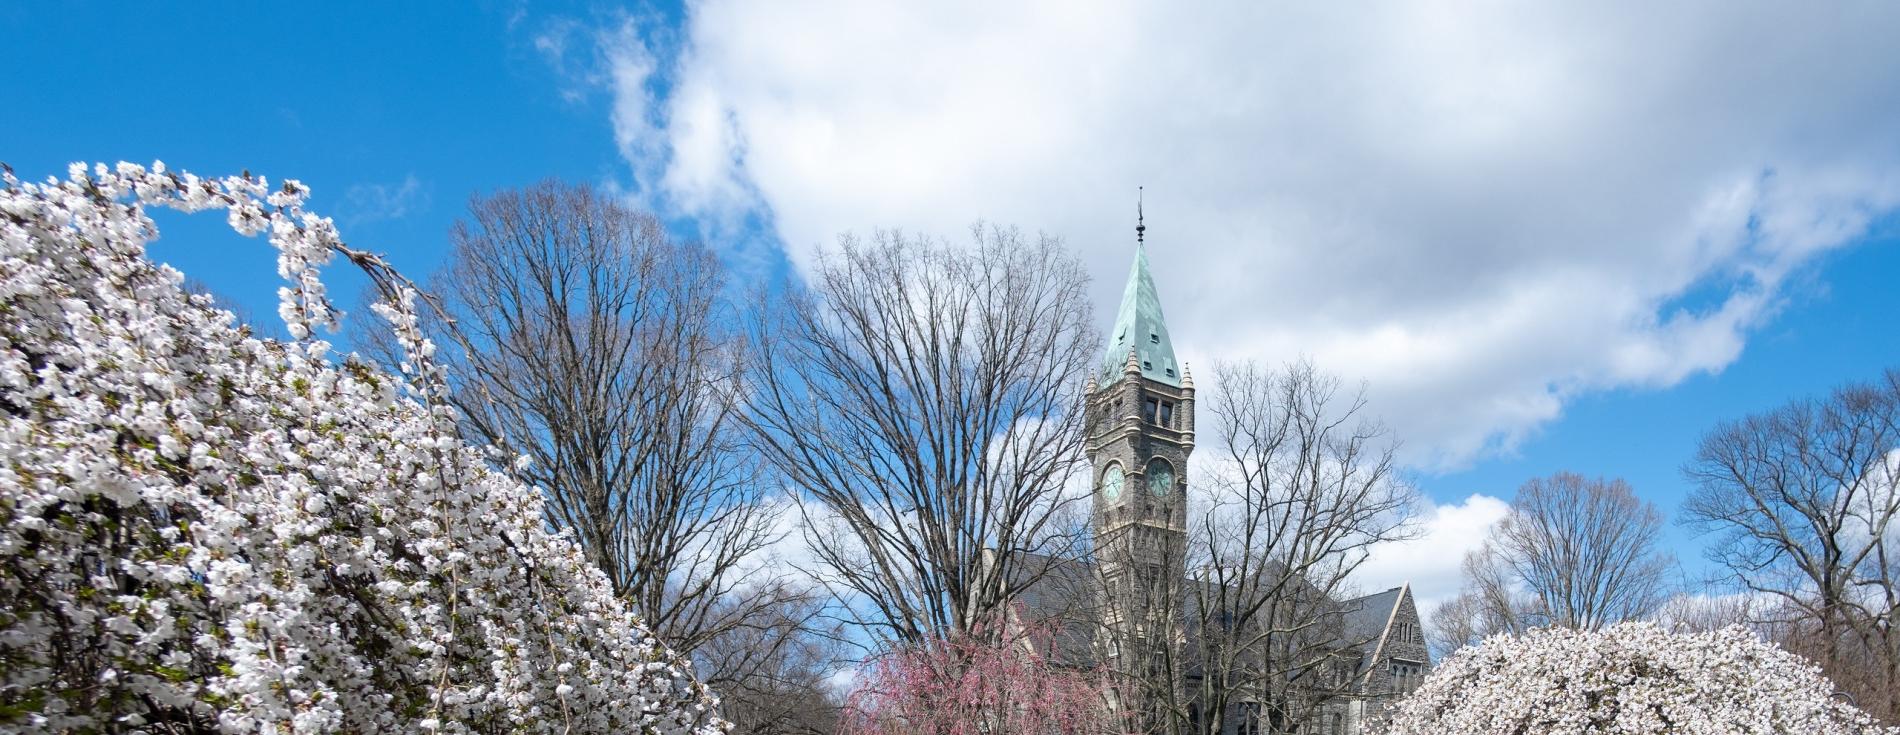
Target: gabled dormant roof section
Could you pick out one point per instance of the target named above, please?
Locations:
(1139, 327)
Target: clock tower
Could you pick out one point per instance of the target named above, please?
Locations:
(1140, 424)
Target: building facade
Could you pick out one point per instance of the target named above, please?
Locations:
(1137, 611)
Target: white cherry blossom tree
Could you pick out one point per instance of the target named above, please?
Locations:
(202, 531)
(1627, 679)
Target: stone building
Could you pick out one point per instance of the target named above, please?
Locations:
(1134, 605)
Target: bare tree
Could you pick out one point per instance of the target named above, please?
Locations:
(1701, 613)
(1490, 604)
(1802, 502)
(924, 399)
(1572, 552)
(595, 347)
(1454, 624)
(790, 656)
(1585, 550)
(1304, 486)
(1307, 486)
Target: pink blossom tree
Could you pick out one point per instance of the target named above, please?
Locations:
(977, 685)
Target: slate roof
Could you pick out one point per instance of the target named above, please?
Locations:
(1366, 619)
(1366, 616)
(1065, 597)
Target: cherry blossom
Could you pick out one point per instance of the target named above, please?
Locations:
(200, 529)
(1627, 679)
(976, 685)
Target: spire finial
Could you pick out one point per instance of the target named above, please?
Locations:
(1141, 226)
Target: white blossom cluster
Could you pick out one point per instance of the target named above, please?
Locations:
(1627, 679)
(204, 531)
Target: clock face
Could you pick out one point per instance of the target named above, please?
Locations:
(1160, 477)
(1112, 482)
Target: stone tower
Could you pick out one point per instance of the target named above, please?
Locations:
(1140, 432)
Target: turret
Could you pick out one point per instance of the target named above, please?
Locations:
(1187, 407)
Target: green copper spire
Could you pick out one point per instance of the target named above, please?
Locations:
(1139, 327)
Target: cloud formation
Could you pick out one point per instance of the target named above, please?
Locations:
(373, 202)
(1482, 209)
(1432, 562)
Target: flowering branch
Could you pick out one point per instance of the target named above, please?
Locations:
(204, 530)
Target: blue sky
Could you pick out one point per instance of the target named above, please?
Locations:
(355, 103)
(1546, 239)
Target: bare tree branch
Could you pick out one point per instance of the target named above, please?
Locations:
(1572, 552)
(1803, 501)
(1304, 486)
(923, 400)
(598, 349)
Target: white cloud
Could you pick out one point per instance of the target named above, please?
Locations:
(1483, 209)
(1431, 561)
(376, 202)
(842, 681)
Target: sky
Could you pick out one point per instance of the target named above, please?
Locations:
(1544, 238)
